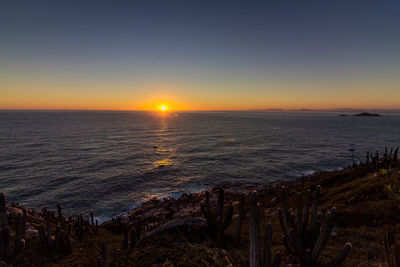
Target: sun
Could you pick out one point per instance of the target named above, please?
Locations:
(163, 108)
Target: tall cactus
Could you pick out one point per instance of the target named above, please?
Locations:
(6, 238)
(241, 215)
(3, 210)
(267, 258)
(104, 257)
(395, 160)
(392, 249)
(217, 221)
(45, 240)
(125, 242)
(24, 221)
(305, 237)
(255, 260)
(255, 251)
(19, 233)
(59, 211)
(92, 221)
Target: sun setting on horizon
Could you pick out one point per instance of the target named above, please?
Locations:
(161, 105)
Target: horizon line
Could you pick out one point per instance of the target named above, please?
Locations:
(221, 110)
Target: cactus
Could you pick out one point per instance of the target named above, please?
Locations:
(217, 222)
(45, 239)
(396, 151)
(19, 233)
(3, 210)
(48, 228)
(376, 160)
(242, 202)
(388, 160)
(304, 238)
(116, 226)
(82, 227)
(133, 240)
(59, 211)
(63, 242)
(125, 242)
(92, 221)
(267, 250)
(23, 221)
(394, 159)
(389, 242)
(103, 251)
(392, 249)
(6, 240)
(255, 259)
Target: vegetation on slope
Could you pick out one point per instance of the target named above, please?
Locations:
(366, 198)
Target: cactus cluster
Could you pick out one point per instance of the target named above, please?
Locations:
(305, 236)
(116, 226)
(62, 238)
(131, 230)
(388, 160)
(11, 245)
(217, 221)
(131, 237)
(255, 259)
(83, 227)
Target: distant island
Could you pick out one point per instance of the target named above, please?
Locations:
(366, 114)
(363, 114)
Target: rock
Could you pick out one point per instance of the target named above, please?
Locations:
(14, 211)
(125, 218)
(334, 231)
(188, 227)
(186, 211)
(32, 233)
(275, 200)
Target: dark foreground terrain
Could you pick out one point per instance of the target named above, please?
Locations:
(231, 225)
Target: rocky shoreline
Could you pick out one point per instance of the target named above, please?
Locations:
(188, 230)
(188, 205)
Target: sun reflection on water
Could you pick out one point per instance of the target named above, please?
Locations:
(162, 146)
(163, 163)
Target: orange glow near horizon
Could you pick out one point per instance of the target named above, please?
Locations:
(79, 95)
(161, 105)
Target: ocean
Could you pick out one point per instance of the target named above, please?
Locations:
(111, 161)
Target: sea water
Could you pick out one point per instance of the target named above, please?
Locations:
(111, 161)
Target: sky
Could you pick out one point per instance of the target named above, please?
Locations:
(199, 55)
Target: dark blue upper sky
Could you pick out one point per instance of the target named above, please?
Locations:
(202, 45)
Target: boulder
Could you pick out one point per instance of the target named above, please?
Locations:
(31, 233)
(189, 228)
(14, 211)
